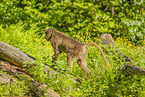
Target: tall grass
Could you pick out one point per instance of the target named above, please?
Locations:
(104, 81)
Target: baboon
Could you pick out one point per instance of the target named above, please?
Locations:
(73, 48)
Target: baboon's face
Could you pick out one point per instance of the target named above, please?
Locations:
(48, 33)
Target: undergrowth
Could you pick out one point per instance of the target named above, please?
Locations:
(104, 81)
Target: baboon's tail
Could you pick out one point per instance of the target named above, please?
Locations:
(93, 44)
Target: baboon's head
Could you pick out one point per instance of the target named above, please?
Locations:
(48, 33)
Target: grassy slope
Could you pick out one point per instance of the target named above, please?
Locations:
(104, 81)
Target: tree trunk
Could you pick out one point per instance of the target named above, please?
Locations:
(14, 55)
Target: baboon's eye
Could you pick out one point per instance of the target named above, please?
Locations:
(50, 31)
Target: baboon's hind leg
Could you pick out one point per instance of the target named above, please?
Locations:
(82, 64)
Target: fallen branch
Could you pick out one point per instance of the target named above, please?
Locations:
(38, 88)
(133, 70)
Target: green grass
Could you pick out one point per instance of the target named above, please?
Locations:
(104, 81)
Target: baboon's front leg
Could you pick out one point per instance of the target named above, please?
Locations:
(69, 60)
(55, 56)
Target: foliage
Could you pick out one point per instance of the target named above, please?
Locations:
(121, 18)
(104, 81)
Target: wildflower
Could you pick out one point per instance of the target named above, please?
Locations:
(4, 17)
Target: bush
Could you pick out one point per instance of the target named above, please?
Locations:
(120, 18)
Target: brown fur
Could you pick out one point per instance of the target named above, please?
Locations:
(73, 48)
